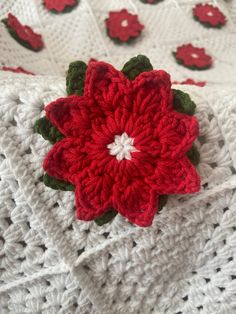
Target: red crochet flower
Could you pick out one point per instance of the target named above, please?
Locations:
(124, 145)
(190, 81)
(59, 5)
(25, 33)
(16, 70)
(193, 57)
(123, 25)
(209, 15)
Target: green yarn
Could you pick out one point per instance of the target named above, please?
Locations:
(193, 155)
(56, 184)
(135, 66)
(183, 103)
(22, 42)
(162, 200)
(75, 78)
(49, 132)
(105, 218)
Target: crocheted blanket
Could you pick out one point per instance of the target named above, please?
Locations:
(53, 263)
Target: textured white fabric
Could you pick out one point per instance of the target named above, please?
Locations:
(81, 34)
(52, 263)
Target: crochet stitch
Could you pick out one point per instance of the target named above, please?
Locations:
(122, 156)
(123, 26)
(23, 34)
(192, 57)
(209, 15)
(60, 6)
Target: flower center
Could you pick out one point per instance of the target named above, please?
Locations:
(124, 23)
(122, 147)
(194, 55)
(210, 13)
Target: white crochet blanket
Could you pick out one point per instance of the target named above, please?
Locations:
(52, 263)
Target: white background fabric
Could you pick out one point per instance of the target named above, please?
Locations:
(52, 263)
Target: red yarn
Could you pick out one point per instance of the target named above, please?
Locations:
(111, 107)
(16, 70)
(194, 57)
(207, 13)
(59, 5)
(190, 81)
(25, 32)
(123, 25)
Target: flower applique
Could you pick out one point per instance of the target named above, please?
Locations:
(151, 1)
(60, 6)
(123, 26)
(190, 81)
(16, 70)
(122, 140)
(209, 15)
(23, 34)
(192, 57)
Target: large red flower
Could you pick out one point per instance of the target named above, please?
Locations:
(209, 15)
(25, 33)
(193, 57)
(124, 145)
(123, 25)
(59, 5)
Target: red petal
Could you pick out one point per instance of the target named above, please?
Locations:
(176, 177)
(135, 201)
(70, 115)
(176, 133)
(66, 159)
(108, 87)
(93, 194)
(152, 92)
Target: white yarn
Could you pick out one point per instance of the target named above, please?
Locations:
(122, 147)
(53, 263)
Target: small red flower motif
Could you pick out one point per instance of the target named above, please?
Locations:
(151, 1)
(124, 144)
(16, 70)
(123, 25)
(193, 57)
(209, 15)
(25, 33)
(190, 81)
(59, 5)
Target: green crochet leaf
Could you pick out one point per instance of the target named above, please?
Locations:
(105, 218)
(208, 25)
(162, 200)
(194, 155)
(14, 35)
(49, 132)
(75, 78)
(136, 65)
(183, 103)
(149, 2)
(57, 184)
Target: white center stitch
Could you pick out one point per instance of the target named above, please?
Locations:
(194, 55)
(210, 14)
(124, 23)
(122, 147)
